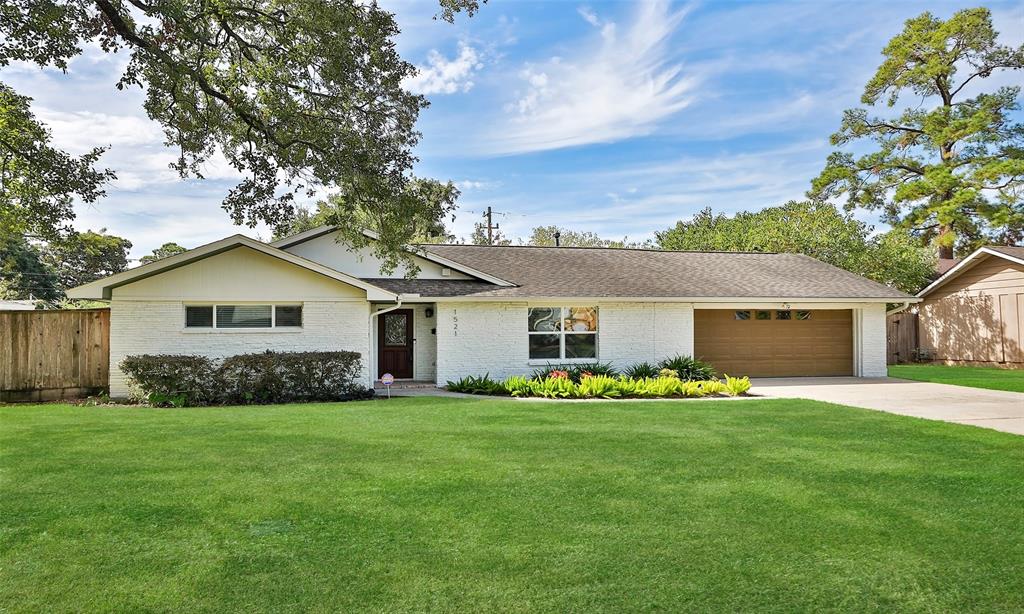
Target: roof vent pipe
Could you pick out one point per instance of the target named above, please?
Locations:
(558, 238)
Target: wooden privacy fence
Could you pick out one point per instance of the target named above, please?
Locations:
(47, 355)
(901, 336)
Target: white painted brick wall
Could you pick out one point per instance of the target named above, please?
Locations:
(424, 360)
(872, 341)
(157, 327)
(479, 338)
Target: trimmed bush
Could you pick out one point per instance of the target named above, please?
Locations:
(688, 368)
(288, 377)
(172, 380)
(268, 377)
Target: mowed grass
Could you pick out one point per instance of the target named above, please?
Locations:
(974, 377)
(499, 505)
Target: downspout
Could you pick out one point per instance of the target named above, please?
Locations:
(898, 309)
(373, 350)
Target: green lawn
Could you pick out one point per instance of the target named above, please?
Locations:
(484, 505)
(975, 377)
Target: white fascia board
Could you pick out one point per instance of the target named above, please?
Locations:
(101, 288)
(964, 264)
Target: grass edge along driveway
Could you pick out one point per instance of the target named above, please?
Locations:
(468, 505)
(991, 378)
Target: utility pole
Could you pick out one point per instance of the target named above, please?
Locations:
(490, 226)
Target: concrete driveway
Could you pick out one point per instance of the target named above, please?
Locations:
(993, 409)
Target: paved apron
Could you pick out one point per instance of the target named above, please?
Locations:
(993, 409)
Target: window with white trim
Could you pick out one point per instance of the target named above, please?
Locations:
(243, 316)
(562, 333)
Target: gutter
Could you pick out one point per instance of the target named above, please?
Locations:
(898, 309)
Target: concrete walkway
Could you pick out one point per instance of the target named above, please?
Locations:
(993, 409)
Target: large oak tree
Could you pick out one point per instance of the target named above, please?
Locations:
(297, 95)
(949, 166)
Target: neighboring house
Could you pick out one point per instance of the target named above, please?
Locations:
(18, 304)
(499, 310)
(975, 312)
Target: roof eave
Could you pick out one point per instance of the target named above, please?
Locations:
(963, 265)
(103, 288)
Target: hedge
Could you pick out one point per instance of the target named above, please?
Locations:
(268, 377)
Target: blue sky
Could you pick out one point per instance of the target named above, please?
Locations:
(613, 117)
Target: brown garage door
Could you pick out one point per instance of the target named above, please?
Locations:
(775, 343)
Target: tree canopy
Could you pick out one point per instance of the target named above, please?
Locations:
(86, 257)
(950, 166)
(23, 274)
(818, 230)
(296, 95)
(545, 235)
(165, 250)
(38, 183)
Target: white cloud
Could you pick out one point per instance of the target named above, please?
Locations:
(470, 184)
(589, 15)
(444, 76)
(622, 88)
(80, 131)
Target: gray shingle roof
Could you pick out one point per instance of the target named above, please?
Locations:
(1009, 250)
(599, 272)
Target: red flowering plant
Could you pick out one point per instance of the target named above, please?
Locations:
(556, 374)
(586, 374)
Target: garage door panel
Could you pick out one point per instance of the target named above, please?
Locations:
(820, 345)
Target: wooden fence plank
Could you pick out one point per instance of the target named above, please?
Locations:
(901, 337)
(45, 354)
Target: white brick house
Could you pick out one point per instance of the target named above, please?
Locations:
(472, 310)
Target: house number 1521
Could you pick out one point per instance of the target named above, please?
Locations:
(455, 322)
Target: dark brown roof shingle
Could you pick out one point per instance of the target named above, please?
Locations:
(630, 273)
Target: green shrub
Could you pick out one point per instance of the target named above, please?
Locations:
(599, 386)
(268, 377)
(640, 370)
(575, 371)
(518, 386)
(688, 368)
(289, 377)
(172, 380)
(554, 388)
(711, 386)
(477, 385)
(668, 373)
(736, 385)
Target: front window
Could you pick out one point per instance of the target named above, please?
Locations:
(243, 316)
(559, 333)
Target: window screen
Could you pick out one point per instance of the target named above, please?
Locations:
(243, 316)
(199, 316)
(288, 315)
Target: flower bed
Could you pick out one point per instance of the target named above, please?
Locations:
(558, 385)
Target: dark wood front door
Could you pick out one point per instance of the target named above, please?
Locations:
(394, 343)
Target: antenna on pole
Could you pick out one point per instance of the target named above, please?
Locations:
(491, 227)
